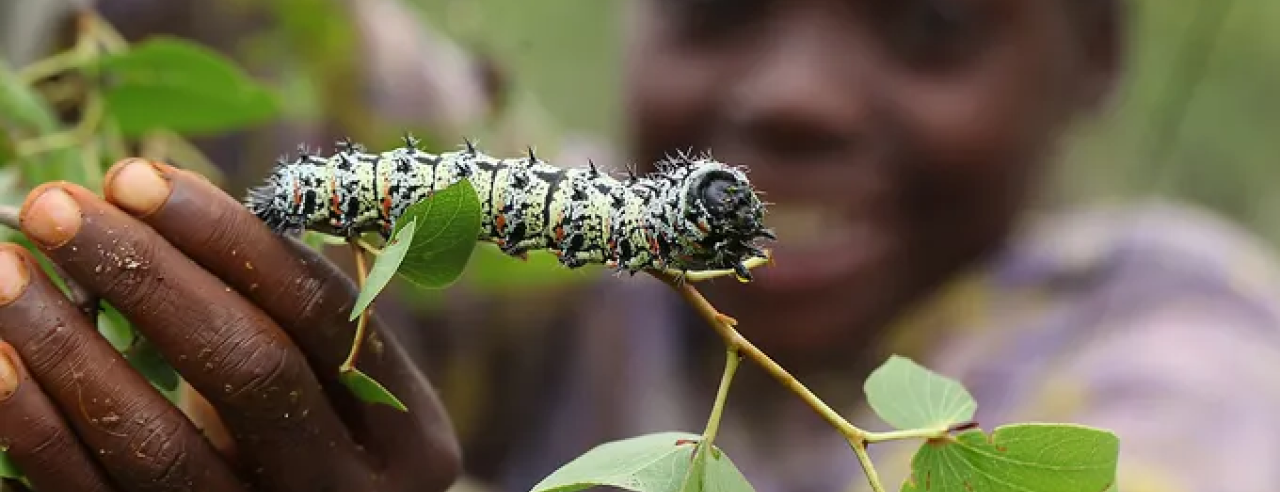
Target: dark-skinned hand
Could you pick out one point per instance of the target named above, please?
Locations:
(254, 322)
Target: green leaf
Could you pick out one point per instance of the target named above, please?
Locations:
(650, 463)
(448, 227)
(24, 114)
(9, 469)
(384, 267)
(909, 396)
(115, 328)
(368, 389)
(21, 106)
(144, 357)
(1018, 458)
(170, 83)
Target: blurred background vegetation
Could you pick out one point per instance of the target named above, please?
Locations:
(1196, 117)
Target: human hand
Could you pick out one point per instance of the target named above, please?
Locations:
(254, 322)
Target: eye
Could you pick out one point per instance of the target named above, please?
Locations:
(709, 20)
(932, 34)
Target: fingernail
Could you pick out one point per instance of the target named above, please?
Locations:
(9, 378)
(138, 187)
(52, 218)
(13, 276)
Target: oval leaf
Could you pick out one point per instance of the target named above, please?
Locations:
(650, 463)
(170, 83)
(370, 390)
(385, 266)
(1018, 458)
(448, 228)
(909, 396)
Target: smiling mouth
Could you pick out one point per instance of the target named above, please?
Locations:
(817, 247)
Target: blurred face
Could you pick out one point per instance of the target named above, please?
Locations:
(897, 139)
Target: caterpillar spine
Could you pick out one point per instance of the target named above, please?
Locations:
(694, 213)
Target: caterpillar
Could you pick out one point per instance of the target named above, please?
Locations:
(694, 213)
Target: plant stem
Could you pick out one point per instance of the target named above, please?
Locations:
(717, 410)
(99, 29)
(56, 64)
(362, 271)
(702, 275)
(724, 325)
(84, 131)
(864, 459)
(368, 247)
(9, 217)
(871, 437)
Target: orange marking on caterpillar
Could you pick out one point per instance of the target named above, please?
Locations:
(386, 200)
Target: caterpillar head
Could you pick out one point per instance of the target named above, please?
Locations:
(729, 212)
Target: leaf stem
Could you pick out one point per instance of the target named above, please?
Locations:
(373, 250)
(55, 64)
(930, 433)
(724, 325)
(9, 217)
(864, 459)
(83, 132)
(362, 272)
(717, 410)
(702, 275)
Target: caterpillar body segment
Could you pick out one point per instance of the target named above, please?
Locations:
(694, 213)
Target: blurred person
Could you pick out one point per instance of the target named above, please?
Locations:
(902, 143)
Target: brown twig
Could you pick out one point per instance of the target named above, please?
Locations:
(362, 272)
(724, 326)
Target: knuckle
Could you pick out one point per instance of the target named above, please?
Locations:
(41, 444)
(121, 267)
(315, 301)
(156, 450)
(257, 370)
(56, 350)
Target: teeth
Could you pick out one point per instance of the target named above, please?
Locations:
(807, 226)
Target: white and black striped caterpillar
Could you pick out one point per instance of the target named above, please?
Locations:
(693, 214)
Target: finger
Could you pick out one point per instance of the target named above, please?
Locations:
(305, 294)
(226, 348)
(141, 440)
(37, 439)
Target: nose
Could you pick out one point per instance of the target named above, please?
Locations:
(806, 92)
